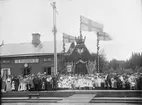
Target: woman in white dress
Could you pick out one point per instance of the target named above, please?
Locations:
(8, 84)
(13, 86)
(20, 87)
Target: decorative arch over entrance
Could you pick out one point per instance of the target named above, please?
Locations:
(80, 56)
(80, 68)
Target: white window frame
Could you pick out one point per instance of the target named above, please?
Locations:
(9, 71)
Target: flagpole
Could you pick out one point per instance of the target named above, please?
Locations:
(54, 32)
(63, 45)
(98, 70)
(80, 29)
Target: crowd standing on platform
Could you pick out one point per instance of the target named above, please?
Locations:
(43, 82)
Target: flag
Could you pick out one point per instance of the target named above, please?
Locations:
(89, 25)
(104, 36)
(71, 48)
(68, 38)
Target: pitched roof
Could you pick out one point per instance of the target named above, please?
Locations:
(28, 49)
(80, 52)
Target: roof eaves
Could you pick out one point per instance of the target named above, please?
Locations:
(33, 54)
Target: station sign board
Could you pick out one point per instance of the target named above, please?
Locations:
(27, 61)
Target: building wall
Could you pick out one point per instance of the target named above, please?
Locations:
(17, 67)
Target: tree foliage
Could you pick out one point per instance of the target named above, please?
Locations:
(133, 64)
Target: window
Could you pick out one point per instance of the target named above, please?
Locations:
(5, 72)
(47, 59)
(5, 61)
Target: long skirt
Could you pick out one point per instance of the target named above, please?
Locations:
(8, 86)
(49, 86)
(4, 85)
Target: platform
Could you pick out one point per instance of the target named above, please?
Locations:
(75, 96)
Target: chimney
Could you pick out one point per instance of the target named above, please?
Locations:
(36, 39)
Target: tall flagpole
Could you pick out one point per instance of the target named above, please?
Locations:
(98, 69)
(54, 32)
(63, 45)
(80, 29)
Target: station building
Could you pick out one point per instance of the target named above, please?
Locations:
(37, 56)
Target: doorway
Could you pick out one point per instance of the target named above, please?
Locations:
(27, 71)
(80, 68)
(47, 70)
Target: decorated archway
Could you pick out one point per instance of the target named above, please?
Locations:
(80, 68)
(81, 58)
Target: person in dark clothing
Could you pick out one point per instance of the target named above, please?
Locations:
(0, 82)
(36, 82)
(108, 82)
(44, 83)
(26, 70)
(49, 82)
(16, 81)
(40, 84)
(140, 82)
(127, 85)
(119, 84)
(54, 82)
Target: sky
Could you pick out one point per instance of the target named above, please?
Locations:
(122, 20)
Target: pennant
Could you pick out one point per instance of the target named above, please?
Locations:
(68, 38)
(89, 25)
(104, 36)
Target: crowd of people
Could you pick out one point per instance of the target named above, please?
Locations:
(31, 82)
(43, 82)
(101, 81)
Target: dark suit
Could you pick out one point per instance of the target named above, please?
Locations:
(54, 82)
(26, 71)
(36, 82)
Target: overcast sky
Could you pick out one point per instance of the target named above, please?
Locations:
(122, 19)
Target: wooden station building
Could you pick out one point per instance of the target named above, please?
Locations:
(37, 56)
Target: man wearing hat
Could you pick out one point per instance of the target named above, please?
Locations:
(26, 70)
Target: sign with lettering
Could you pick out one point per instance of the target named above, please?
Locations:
(27, 61)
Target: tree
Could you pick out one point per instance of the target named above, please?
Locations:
(130, 65)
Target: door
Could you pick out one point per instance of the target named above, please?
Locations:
(27, 71)
(80, 68)
(47, 70)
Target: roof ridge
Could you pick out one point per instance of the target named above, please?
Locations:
(16, 43)
(30, 42)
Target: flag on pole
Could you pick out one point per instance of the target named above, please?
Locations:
(68, 38)
(89, 25)
(104, 36)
